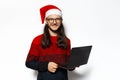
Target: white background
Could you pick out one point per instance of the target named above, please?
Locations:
(87, 22)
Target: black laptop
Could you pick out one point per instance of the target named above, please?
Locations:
(79, 56)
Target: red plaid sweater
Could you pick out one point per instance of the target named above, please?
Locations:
(38, 58)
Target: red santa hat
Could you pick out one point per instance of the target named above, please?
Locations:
(49, 10)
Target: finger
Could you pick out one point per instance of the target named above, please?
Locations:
(54, 70)
(55, 65)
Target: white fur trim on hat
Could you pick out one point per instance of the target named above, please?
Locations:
(53, 11)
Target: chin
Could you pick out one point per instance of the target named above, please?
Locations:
(55, 29)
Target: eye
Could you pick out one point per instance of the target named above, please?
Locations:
(54, 19)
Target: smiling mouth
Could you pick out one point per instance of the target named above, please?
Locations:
(54, 26)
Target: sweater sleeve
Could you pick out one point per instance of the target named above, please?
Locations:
(33, 63)
(68, 50)
(69, 53)
(32, 60)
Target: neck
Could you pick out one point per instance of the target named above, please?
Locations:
(52, 33)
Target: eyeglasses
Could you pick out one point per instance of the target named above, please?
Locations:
(54, 19)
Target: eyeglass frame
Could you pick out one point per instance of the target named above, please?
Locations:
(54, 19)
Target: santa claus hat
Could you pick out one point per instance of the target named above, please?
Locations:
(49, 10)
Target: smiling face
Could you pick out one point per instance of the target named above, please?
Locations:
(54, 22)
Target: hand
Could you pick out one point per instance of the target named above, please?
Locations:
(52, 66)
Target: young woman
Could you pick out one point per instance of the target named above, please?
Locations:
(51, 48)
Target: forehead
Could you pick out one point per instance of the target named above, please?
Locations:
(54, 16)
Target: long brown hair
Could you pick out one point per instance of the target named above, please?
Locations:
(61, 41)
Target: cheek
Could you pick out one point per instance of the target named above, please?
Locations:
(48, 23)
